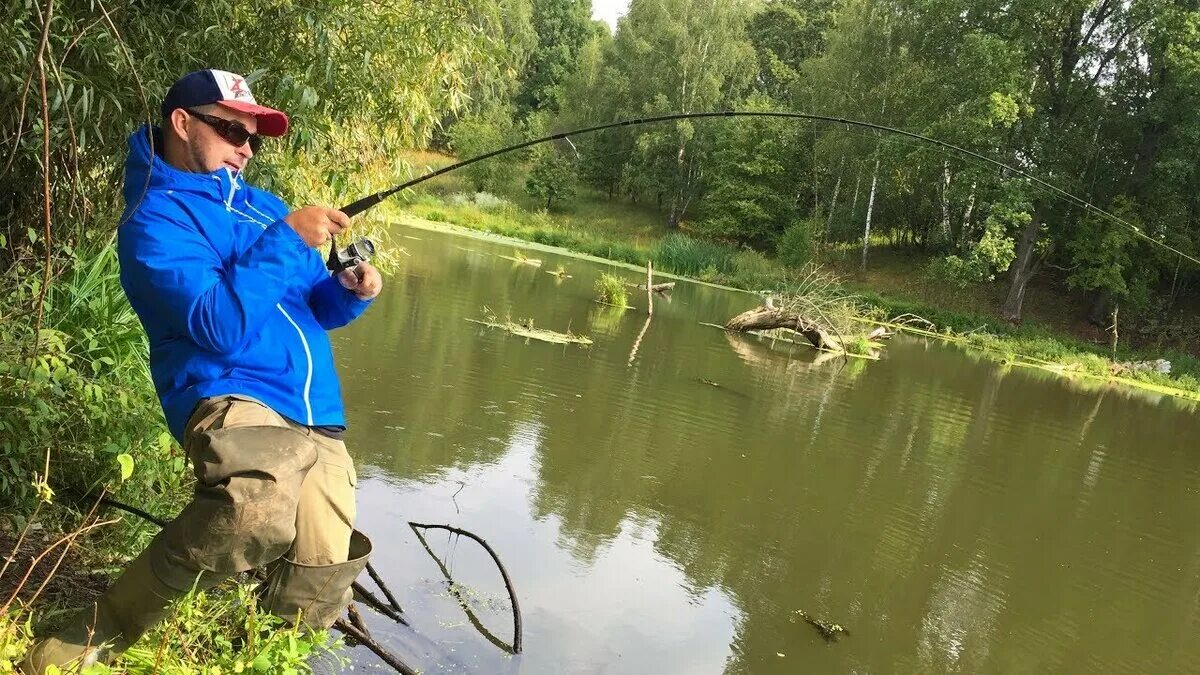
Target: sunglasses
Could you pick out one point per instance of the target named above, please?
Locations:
(233, 132)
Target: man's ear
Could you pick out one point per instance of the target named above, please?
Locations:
(179, 121)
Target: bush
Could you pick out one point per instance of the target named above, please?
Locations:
(84, 393)
(200, 627)
(796, 246)
(752, 270)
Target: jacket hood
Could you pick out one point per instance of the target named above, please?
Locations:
(146, 171)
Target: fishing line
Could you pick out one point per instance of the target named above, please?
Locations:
(369, 201)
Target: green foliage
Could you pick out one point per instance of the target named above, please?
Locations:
(227, 633)
(993, 253)
(610, 289)
(562, 27)
(552, 177)
(1101, 250)
(84, 393)
(478, 134)
(750, 179)
(692, 256)
(16, 637)
(797, 245)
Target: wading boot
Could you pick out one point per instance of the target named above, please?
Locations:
(315, 595)
(105, 628)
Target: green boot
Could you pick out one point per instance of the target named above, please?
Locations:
(108, 626)
(315, 595)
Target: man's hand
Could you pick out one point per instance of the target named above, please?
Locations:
(364, 280)
(316, 224)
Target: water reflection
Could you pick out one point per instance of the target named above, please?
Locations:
(669, 513)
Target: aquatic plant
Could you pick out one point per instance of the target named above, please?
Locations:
(610, 290)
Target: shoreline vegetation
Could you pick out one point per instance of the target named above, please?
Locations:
(682, 255)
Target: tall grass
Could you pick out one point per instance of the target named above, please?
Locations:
(611, 290)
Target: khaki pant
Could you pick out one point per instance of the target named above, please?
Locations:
(268, 491)
(266, 488)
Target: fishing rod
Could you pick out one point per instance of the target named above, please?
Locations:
(369, 201)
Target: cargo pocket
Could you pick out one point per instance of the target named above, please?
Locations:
(244, 511)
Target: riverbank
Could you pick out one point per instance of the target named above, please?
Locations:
(1031, 344)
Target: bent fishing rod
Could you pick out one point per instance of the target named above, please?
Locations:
(338, 260)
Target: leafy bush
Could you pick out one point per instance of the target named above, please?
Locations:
(228, 634)
(795, 248)
(552, 178)
(84, 393)
(993, 252)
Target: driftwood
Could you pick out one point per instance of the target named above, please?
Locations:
(766, 318)
(658, 288)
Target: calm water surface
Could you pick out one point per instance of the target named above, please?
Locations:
(952, 514)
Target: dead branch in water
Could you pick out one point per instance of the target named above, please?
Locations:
(364, 638)
(766, 317)
(512, 594)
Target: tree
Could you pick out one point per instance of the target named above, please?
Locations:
(699, 54)
(552, 177)
(478, 134)
(750, 183)
(562, 27)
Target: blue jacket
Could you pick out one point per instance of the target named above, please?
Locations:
(231, 298)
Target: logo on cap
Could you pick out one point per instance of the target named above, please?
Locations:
(233, 87)
(237, 89)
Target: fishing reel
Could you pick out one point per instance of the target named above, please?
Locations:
(359, 251)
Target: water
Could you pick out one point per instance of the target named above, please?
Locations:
(952, 514)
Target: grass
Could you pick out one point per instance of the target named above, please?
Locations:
(610, 290)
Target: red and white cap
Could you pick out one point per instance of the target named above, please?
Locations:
(224, 88)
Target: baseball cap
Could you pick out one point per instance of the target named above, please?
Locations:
(227, 89)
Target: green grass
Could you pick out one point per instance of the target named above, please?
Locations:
(611, 290)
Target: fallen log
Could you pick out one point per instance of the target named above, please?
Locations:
(658, 288)
(766, 318)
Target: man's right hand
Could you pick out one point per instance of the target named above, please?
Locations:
(315, 224)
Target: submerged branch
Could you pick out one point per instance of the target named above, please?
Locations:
(512, 594)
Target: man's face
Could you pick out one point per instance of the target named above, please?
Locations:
(207, 151)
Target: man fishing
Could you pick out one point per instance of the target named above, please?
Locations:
(236, 302)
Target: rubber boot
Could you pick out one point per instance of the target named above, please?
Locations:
(314, 596)
(107, 627)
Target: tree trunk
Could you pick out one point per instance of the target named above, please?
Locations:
(870, 209)
(943, 238)
(964, 230)
(766, 318)
(1021, 269)
(854, 202)
(837, 186)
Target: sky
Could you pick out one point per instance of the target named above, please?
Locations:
(609, 11)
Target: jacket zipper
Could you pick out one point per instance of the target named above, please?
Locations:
(308, 355)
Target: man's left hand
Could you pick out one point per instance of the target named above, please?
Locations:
(364, 280)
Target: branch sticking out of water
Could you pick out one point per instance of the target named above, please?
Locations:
(364, 638)
(512, 593)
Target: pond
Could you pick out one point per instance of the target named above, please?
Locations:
(667, 505)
